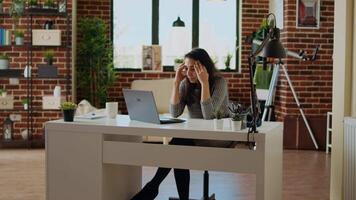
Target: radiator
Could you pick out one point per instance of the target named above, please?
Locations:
(349, 158)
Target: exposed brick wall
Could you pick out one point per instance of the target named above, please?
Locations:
(41, 86)
(312, 81)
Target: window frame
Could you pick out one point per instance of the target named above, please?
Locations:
(195, 30)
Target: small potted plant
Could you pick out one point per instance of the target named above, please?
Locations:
(25, 103)
(238, 117)
(32, 4)
(3, 92)
(4, 61)
(68, 108)
(218, 122)
(177, 63)
(227, 62)
(49, 4)
(48, 55)
(16, 10)
(19, 37)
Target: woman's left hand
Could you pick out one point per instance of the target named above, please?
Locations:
(202, 73)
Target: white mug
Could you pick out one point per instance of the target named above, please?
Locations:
(111, 109)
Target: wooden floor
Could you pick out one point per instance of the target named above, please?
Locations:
(305, 177)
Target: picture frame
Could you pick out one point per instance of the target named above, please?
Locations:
(151, 58)
(308, 14)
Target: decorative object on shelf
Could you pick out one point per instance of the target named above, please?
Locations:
(308, 13)
(7, 102)
(48, 55)
(3, 92)
(57, 91)
(42, 37)
(52, 102)
(25, 103)
(62, 6)
(32, 4)
(16, 11)
(49, 24)
(8, 127)
(27, 71)
(68, 109)
(151, 58)
(94, 75)
(19, 37)
(218, 122)
(239, 117)
(49, 4)
(24, 134)
(4, 61)
(47, 71)
(227, 62)
(177, 63)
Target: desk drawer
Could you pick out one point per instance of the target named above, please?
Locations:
(7, 103)
(184, 157)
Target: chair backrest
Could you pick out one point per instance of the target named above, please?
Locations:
(161, 89)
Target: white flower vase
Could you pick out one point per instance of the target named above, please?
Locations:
(57, 91)
(218, 124)
(27, 72)
(235, 125)
(25, 106)
(24, 134)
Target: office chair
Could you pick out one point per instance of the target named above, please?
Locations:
(205, 189)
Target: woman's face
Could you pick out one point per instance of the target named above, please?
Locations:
(190, 71)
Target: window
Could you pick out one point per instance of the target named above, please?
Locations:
(131, 30)
(151, 23)
(175, 41)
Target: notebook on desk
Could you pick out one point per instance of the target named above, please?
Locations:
(141, 106)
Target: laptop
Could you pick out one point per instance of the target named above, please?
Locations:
(141, 106)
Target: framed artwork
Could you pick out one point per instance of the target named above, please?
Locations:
(151, 58)
(308, 13)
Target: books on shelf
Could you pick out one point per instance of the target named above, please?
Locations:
(5, 37)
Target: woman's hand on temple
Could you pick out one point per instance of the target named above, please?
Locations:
(180, 75)
(202, 73)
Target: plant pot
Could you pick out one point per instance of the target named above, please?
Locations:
(4, 64)
(68, 115)
(19, 40)
(218, 124)
(235, 125)
(25, 106)
(49, 61)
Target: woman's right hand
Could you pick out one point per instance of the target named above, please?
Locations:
(180, 74)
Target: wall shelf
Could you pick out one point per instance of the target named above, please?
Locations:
(11, 73)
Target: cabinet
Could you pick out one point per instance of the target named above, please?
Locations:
(33, 84)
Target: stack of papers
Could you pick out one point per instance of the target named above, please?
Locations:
(90, 115)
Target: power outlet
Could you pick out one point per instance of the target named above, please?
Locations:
(15, 117)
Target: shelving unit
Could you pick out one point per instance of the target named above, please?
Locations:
(29, 51)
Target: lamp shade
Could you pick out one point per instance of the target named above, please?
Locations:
(273, 49)
(178, 23)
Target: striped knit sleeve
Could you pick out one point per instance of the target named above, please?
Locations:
(177, 109)
(216, 100)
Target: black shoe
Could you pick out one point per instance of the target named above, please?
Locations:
(149, 192)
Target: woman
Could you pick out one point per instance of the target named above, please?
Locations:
(199, 86)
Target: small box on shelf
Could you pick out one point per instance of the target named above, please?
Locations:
(52, 102)
(6, 102)
(43, 37)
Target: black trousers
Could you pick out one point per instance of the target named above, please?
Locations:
(182, 176)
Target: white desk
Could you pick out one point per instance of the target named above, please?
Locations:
(101, 159)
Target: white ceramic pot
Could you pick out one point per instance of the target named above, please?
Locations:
(218, 124)
(4, 64)
(19, 40)
(57, 91)
(235, 125)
